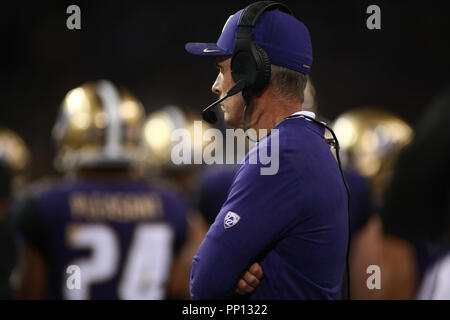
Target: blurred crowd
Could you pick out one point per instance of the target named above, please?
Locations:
(122, 221)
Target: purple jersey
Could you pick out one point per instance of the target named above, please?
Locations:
(119, 238)
(294, 223)
(213, 191)
(361, 204)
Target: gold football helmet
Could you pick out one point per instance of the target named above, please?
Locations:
(371, 140)
(14, 152)
(158, 130)
(98, 125)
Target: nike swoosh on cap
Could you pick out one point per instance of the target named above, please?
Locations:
(210, 50)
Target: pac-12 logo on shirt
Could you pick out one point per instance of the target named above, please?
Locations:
(231, 219)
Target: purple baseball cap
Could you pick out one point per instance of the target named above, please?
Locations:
(285, 39)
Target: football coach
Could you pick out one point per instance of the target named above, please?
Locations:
(292, 224)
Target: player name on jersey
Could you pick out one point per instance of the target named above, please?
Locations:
(119, 207)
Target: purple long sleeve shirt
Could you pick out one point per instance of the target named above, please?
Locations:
(294, 223)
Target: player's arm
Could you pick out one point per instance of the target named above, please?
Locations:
(33, 275)
(185, 237)
(179, 279)
(176, 286)
(32, 246)
(261, 216)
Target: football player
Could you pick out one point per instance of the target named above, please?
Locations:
(213, 190)
(415, 216)
(181, 178)
(371, 140)
(204, 188)
(14, 160)
(160, 143)
(101, 232)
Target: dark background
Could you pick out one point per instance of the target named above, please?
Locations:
(140, 44)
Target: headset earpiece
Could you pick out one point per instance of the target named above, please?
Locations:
(243, 67)
(249, 61)
(263, 69)
(243, 63)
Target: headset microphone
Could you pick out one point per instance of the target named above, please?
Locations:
(209, 115)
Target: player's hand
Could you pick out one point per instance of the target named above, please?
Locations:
(250, 279)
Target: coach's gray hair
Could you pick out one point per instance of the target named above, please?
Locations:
(288, 83)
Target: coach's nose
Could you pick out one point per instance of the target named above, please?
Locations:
(216, 87)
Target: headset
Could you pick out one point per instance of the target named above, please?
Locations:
(251, 70)
(250, 64)
(249, 61)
